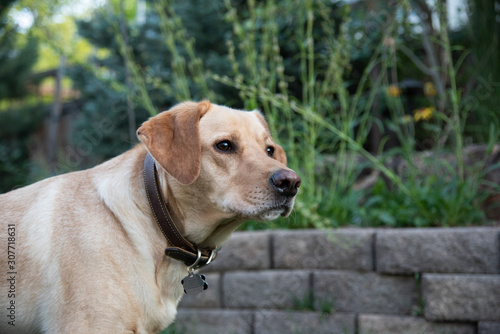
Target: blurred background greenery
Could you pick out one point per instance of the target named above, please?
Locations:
(389, 110)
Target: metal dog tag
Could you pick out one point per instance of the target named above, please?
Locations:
(194, 284)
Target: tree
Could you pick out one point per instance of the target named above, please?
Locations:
(484, 85)
(18, 54)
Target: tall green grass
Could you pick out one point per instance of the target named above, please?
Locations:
(329, 115)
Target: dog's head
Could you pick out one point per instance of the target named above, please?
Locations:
(227, 154)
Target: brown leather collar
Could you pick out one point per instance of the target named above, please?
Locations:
(179, 247)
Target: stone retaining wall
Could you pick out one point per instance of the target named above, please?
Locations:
(351, 281)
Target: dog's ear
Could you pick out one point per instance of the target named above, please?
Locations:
(173, 139)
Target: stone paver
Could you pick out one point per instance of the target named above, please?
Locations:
(488, 327)
(196, 321)
(461, 297)
(365, 277)
(243, 251)
(436, 250)
(320, 249)
(349, 291)
(383, 324)
(288, 322)
(264, 289)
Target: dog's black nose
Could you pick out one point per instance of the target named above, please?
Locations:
(286, 182)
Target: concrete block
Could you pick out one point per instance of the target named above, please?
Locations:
(207, 298)
(243, 251)
(282, 322)
(461, 297)
(434, 250)
(360, 292)
(264, 289)
(488, 327)
(196, 321)
(324, 249)
(383, 324)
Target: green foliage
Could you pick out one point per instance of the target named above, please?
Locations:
(18, 54)
(333, 114)
(327, 75)
(16, 126)
(101, 129)
(129, 8)
(418, 311)
(172, 329)
(447, 202)
(321, 93)
(17, 62)
(484, 94)
(307, 303)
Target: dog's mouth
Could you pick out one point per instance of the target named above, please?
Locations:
(276, 210)
(274, 213)
(285, 209)
(262, 211)
(257, 203)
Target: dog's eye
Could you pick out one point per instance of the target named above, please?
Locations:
(225, 146)
(270, 151)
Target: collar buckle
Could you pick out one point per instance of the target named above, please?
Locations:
(196, 265)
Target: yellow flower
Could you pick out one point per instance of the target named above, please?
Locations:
(393, 91)
(423, 114)
(429, 89)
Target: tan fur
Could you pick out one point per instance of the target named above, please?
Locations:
(89, 258)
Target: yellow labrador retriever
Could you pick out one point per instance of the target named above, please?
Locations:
(83, 253)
